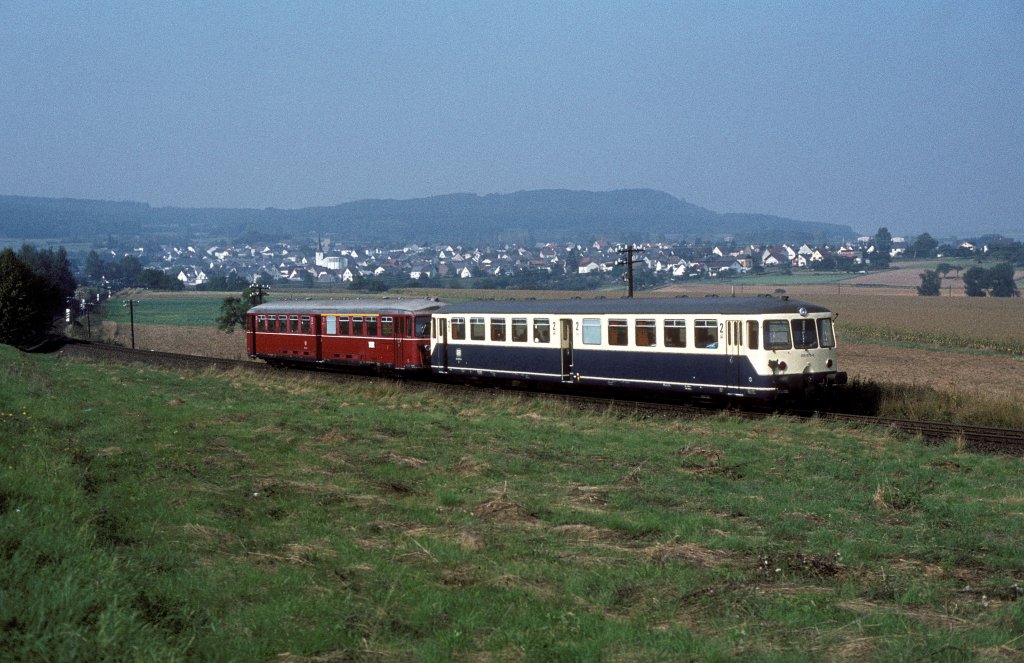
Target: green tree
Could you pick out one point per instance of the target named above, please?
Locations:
(1000, 281)
(975, 282)
(882, 241)
(931, 283)
(924, 246)
(54, 268)
(234, 309)
(27, 305)
(95, 268)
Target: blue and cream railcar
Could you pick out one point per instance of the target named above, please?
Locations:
(760, 347)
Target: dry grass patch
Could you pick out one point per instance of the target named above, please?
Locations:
(589, 498)
(930, 618)
(585, 533)
(469, 466)
(405, 461)
(674, 551)
(503, 510)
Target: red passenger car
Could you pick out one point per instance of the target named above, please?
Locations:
(380, 333)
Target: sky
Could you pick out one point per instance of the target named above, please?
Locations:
(908, 115)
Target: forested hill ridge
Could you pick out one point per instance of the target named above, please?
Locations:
(542, 215)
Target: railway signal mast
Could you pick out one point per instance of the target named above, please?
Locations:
(628, 262)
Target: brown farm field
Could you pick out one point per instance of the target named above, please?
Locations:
(954, 344)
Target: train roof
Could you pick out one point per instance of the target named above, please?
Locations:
(388, 306)
(651, 305)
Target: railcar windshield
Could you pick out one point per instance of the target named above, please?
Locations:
(776, 335)
(826, 335)
(805, 336)
(422, 326)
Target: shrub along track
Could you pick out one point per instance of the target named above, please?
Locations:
(978, 438)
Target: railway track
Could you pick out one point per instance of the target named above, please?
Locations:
(977, 438)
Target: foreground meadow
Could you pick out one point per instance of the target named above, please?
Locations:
(162, 515)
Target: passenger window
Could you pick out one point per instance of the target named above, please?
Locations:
(826, 335)
(541, 330)
(519, 334)
(498, 329)
(591, 331)
(477, 329)
(618, 332)
(752, 334)
(307, 326)
(343, 326)
(804, 335)
(357, 326)
(705, 334)
(458, 329)
(293, 324)
(261, 323)
(675, 333)
(387, 326)
(371, 326)
(646, 333)
(776, 335)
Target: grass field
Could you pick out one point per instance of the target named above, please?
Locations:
(159, 515)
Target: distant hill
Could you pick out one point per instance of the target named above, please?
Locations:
(555, 215)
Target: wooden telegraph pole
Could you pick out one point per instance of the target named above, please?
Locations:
(628, 262)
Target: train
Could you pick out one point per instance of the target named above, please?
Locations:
(760, 348)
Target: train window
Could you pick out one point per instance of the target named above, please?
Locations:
(752, 334)
(826, 335)
(591, 331)
(343, 327)
(357, 326)
(293, 324)
(541, 330)
(497, 329)
(675, 333)
(618, 332)
(306, 326)
(646, 333)
(330, 325)
(705, 334)
(458, 329)
(519, 330)
(387, 326)
(261, 323)
(477, 329)
(776, 335)
(371, 326)
(804, 334)
(422, 326)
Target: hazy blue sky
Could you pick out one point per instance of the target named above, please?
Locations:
(903, 114)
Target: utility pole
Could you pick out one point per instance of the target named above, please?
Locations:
(131, 317)
(628, 262)
(257, 291)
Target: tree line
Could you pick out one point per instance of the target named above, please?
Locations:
(35, 286)
(996, 281)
